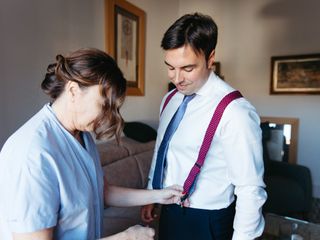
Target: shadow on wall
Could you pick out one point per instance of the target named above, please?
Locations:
(300, 29)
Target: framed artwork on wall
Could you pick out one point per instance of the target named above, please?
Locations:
(297, 74)
(125, 41)
(216, 68)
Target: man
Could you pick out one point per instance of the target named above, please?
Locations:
(225, 199)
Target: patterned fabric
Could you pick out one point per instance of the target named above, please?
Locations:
(168, 99)
(189, 184)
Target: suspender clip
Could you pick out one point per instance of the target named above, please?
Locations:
(183, 198)
(198, 165)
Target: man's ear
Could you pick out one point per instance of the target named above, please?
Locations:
(211, 59)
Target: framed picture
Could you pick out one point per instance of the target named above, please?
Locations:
(295, 74)
(125, 36)
(216, 68)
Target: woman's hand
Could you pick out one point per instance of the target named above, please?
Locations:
(170, 194)
(136, 232)
(128, 197)
(139, 232)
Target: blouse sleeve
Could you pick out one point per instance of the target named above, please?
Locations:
(32, 193)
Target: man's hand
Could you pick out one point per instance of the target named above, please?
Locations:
(148, 213)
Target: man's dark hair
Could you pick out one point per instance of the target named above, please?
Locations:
(197, 30)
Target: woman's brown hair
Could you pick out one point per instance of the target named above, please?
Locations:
(89, 67)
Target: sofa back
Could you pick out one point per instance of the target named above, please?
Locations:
(127, 164)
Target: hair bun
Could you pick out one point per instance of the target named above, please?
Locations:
(52, 85)
(60, 59)
(51, 68)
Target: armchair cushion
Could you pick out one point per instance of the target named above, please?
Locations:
(289, 189)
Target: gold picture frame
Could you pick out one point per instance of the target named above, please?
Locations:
(296, 74)
(294, 126)
(125, 42)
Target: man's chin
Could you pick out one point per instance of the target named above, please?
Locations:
(185, 91)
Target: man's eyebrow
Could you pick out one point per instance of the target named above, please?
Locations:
(167, 63)
(189, 66)
(186, 66)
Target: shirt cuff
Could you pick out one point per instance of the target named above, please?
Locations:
(240, 236)
(149, 185)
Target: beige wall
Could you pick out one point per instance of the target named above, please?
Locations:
(158, 17)
(32, 32)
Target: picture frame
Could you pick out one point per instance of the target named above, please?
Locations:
(296, 74)
(125, 42)
(216, 68)
(290, 128)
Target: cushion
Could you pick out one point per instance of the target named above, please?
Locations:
(280, 190)
(111, 151)
(139, 131)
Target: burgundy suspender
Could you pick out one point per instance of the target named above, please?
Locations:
(190, 182)
(168, 99)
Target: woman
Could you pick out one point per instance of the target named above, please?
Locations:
(50, 172)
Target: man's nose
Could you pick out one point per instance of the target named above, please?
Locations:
(178, 77)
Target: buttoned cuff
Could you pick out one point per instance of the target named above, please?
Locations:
(240, 236)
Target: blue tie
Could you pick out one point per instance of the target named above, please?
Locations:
(162, 151)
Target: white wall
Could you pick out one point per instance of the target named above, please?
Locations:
(33, 32)
(250, 33)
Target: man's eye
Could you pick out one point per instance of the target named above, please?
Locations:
(188, 69)
(171, 68)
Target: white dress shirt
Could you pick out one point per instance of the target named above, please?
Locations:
(234, 163)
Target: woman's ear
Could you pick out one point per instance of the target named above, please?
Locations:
(211, 59)
(72, 89)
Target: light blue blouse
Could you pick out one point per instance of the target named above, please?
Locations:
(47, 178)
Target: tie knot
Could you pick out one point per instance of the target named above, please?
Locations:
(188, 98)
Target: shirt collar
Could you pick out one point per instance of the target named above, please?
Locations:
(206, 89)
